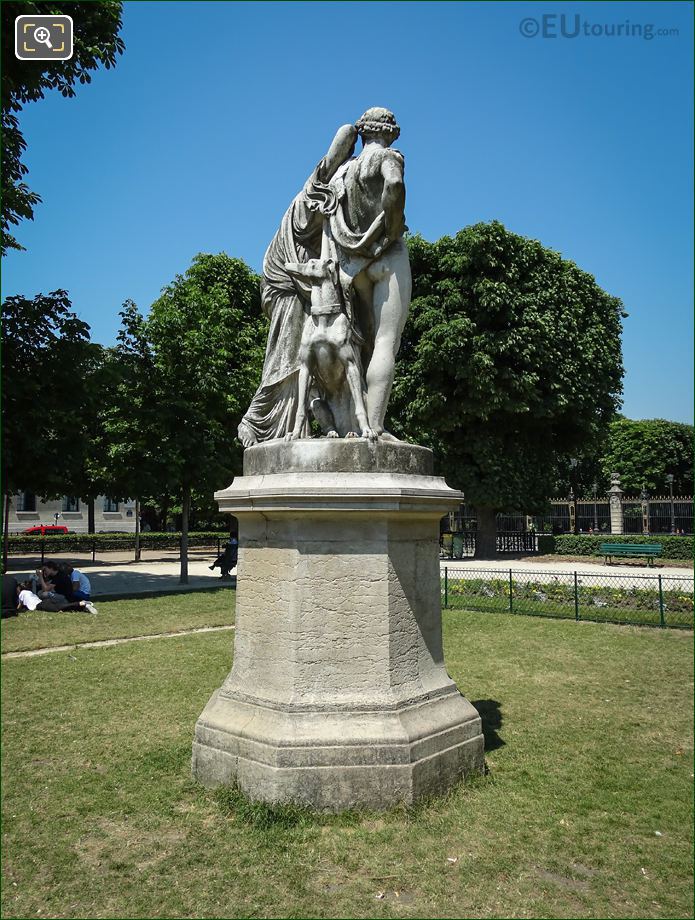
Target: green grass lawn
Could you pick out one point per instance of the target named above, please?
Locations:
(118, 619)
(586, 810)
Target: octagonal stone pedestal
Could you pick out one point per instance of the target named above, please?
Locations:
(338, 697)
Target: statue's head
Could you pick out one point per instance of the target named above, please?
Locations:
(378, 124)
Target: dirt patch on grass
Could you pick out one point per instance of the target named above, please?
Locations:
(115, 840)
(562, 881)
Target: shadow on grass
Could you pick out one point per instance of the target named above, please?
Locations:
(271, 821)
(262, 816)
(491, 716)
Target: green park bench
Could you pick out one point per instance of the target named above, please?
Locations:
(628, 550)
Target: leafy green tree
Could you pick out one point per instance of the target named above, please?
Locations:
(47, 359)
(643, 452)
(197, 360)
(580, 476)
(510, 362)
(123, 457)
(96, 41)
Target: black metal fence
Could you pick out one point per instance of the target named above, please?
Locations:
(87, 546)
(657, 515)
(643, 600)
(461, 545)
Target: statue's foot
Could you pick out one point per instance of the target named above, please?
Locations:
(369, 434)
(246, 436)
(387, 436)
(352, 434)
(332, 434)
(290, 436)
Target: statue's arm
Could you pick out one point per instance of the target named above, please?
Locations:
(393, 195)
(341, 149)
(302, 270)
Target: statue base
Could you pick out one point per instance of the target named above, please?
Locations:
(338, 697)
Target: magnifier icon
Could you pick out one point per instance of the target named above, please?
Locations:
(43, 36)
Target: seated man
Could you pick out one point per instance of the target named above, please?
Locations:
(54, 577)
(227, 560)
(81, 587)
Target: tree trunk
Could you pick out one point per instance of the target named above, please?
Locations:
(486, 536)
(163, 515)
(137, 530)
(185, 510)
(6, 535)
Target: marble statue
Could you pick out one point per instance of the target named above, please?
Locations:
(338, 697)
(336, 287)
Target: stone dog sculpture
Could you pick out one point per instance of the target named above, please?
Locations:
(357, 204)
(329, 355)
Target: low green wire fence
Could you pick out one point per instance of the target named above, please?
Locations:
(643, 600)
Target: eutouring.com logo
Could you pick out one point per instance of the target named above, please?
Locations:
(572, 25)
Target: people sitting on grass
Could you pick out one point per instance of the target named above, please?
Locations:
(53, 577)
(65, 579)
(48, 601)
(227, 560)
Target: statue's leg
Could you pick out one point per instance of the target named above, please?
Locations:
(391, 300)
(302, 392)
(323, 415)
(354, 380)
(364, 295)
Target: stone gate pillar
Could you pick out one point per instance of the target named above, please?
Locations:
(615, 502)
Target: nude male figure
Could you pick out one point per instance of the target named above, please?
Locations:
(370, 222)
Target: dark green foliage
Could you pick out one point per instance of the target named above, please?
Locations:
(207, 337)
(589, 545)
(546, 543)
(96, 42)
(76, 542)
(48, 361)
(643, 451)
(126, 442)
(581, 478)
(186, 374)
(511, 360)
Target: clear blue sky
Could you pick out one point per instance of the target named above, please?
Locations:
(217, 112)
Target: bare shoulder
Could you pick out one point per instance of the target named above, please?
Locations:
(392, 162)
(391, 153)
(387, 155)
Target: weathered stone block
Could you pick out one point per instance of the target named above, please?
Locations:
(338, 696)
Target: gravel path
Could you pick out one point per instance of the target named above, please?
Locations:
(121, 578)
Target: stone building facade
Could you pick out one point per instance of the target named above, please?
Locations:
(29, 510)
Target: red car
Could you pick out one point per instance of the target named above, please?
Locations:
(44, 529)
